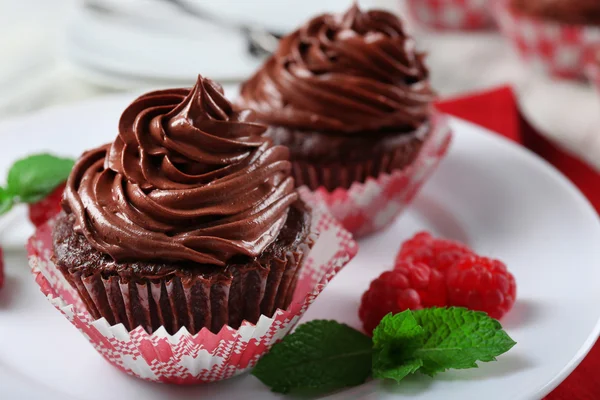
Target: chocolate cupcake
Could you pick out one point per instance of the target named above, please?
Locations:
(573, 12)
(348, 94)
(188, 219)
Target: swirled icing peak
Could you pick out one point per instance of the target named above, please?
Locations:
(347, 73)
(189, 177)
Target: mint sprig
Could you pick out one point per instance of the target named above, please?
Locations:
(441, 339)
(325, 355)
(32, 178)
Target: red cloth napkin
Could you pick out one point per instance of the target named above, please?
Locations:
(497, 110)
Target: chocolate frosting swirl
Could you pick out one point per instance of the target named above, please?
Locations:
(189, 177)
(347, 73)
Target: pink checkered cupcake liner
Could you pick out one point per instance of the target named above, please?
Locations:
(372, 206)
(182, 358)
(557, 49)
(455, 15)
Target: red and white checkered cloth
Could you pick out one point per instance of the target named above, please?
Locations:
(183, 358)
(557, 49)
(369, 207)
(452, 14)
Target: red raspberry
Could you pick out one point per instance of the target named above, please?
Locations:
(482, 284)
(46, 208)
(409, 286)
(440, 254)
(429, 283)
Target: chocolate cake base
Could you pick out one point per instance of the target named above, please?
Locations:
(323, 159)
(176, 295)
(574, 12)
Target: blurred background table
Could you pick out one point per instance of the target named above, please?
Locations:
(56, 52)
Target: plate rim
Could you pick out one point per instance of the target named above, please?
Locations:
(544, 164)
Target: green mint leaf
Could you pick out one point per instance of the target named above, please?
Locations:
(395, 341)
(457, 338)
(6, 201)
(33, 178)
(319, 356)
(399, 327)
(399, 372)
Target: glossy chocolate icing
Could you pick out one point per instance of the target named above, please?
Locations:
(189, 178)
(351, 74)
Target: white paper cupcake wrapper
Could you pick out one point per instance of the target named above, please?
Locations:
(183, 358)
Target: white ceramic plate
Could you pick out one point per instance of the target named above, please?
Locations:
(492, 194)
